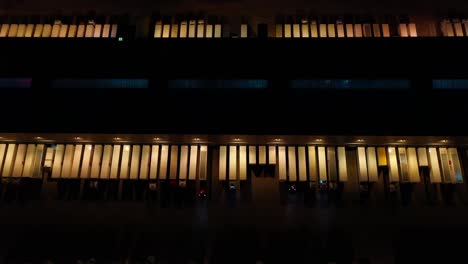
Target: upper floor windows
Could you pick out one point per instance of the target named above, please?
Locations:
(454, 27)
(188, 29)
(58, 30)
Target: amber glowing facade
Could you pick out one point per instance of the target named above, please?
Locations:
(260, 127)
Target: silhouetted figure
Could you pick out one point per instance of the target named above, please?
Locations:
(364, 193)
(11, 190)
(152, 193)
(165, 194)
(393, 194)
(231, 195)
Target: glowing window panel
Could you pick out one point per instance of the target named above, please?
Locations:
(450, 84)
(218, 84)
(15, 82)
(100, 83)
(351, 84)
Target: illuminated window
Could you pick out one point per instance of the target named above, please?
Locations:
(450, 84)
(247, 84)
(351, 84)
(100, 83)
(15, 82)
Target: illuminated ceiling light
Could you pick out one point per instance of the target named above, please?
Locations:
(196, 139)
(117, 138)
(237, 139)
(39, 138)
(360, 140)
(319, 140)
(78, 138)
(277, 139)
(402, 140)
(156, 139)
(444, 141)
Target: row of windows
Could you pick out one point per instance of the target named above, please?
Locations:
(340, 30)
(351, 84)
(201, 29)
(238, 83)
(204, 29)
(249, 84)
(58, 30)
(190, 29)
(455, 28)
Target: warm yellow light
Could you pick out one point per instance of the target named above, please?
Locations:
(319, 140)
(156, 139)
(117, 138)
(203, 148)
(237, 139)
(360, 140)
(444, 141)
(196, 139)
(127, 148)
(401, 140)
(38, 138)
(277, 139)
(78, 138)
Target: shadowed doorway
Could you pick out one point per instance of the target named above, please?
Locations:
(265, 185)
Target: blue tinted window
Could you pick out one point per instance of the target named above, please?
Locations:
(100, 83)
(15, 82)
(218, 84)
(351, 84)
(450, 84)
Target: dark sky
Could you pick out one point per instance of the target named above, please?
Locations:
(237, 7)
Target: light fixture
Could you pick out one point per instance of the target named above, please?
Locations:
(38, 138)
(444, 141)
(196, 139)
(319, 140)
(156, 139)
(360, 140)
(117, 138)
(120, 39)
(237, 139)
(78, 138)
(402, 140)
(277, 139)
